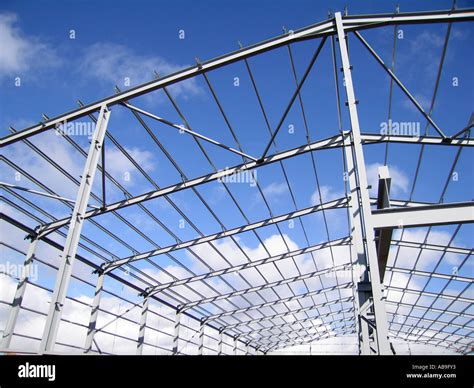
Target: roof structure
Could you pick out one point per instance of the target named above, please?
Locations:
(185, 273)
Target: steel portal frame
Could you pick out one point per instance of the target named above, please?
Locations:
(367, 226)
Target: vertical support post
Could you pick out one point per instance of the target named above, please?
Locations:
(74, 233)
(141, 333)
(201, 338)
(364, 336)
(94, 312)
(383, 237)
(219, 343)
(235, 345)
(365, 245)
(176, 331)
(19, 293)
(247, 348)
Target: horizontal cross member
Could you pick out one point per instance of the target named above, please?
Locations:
(332, 142)
(251, 264)
(298, 321)
(267, 285)
(335, 204)
(287, 313)
(442, 214)
(278, 301)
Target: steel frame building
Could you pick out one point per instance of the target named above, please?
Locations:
(371, 220)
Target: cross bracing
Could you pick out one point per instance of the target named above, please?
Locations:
(208, 289)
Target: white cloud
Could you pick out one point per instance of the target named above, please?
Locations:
(118, 165)
(399, 183)
(22, 54)
(275, 189)
(328, 193)
(113, 63)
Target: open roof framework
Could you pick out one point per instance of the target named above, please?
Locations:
(355, 294)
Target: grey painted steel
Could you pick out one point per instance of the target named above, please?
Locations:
(383, 236)
(442, 214)
(141, 332)
(74, 233)
(363, 211)
(92, 329)
(19, 294)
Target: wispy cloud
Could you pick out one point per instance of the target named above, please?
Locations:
(116, 64)
(23, 55)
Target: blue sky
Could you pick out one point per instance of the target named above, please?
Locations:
(117, 42)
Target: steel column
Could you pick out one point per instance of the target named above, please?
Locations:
(94, 313)
(219, 343)
(201, 338)
(176, 331)
(74, 234)
(361, 209)
(141, 333)
(236, 344)
(19, 294)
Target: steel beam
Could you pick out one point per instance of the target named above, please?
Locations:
(335, 204)
(176, 332)
(189, 305)
(19, 294)
(432, 247)
(383, 236)
(373, 138)
(92, 329)
(430, 215)
(74, 233)
(287, 313)
(299, 321)
(308, 339)
(219, 343)
(361, 209)
(278, 301)
(339, 242)
(201, 337)
(329, 143)
(322, 29)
